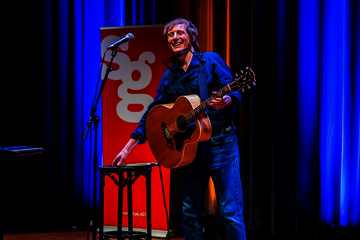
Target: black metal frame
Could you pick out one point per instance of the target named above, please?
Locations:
(133, 172)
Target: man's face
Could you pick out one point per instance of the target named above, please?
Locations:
(178, 39)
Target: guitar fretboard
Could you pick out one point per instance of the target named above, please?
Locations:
(196, 112)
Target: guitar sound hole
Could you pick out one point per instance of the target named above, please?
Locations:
(180, 137)
(181, 123)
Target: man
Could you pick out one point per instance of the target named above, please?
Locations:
(218, 157)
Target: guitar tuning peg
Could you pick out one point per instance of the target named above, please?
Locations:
(247, 68)
(248, 86)
(253, 83)
(242, 90)
(242, 72)
(236, 75)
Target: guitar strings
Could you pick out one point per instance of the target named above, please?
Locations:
(193, 114)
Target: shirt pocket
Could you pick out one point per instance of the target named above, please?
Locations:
(194, 82)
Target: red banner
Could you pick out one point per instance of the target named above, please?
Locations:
(130, 88)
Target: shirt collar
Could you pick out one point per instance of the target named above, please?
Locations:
(194, 62)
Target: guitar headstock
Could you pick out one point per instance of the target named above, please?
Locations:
(247, 80)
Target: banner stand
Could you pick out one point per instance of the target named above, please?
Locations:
(130, 88)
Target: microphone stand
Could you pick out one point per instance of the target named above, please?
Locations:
(95, 119)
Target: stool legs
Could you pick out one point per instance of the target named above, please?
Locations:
(148, 204)
(120, 206)
(131, 176)
(129, 199)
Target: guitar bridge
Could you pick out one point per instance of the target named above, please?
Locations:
(167, 134)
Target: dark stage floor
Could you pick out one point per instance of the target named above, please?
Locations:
(22, 227)
(81, 235)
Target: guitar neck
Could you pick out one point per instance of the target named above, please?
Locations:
(196, 112)
(238, 84)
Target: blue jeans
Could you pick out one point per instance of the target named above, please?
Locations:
(219, 158)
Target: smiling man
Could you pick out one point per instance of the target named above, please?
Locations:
(217, 157)
(178, 39)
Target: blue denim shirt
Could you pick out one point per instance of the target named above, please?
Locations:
(176, 82)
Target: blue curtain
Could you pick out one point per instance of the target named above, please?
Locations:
(89, 17)
(329, 105)
(302, 166)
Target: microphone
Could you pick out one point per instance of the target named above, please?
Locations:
(127, 38)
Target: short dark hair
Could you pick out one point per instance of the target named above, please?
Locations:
(190, 29)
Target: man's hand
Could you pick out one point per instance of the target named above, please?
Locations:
(119, 159)
(220, 103)
(123, 154)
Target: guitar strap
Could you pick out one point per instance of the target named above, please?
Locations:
(202, 79)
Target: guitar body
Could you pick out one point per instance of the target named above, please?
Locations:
(172, 140)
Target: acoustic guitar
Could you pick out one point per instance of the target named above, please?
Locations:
(174, 130)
